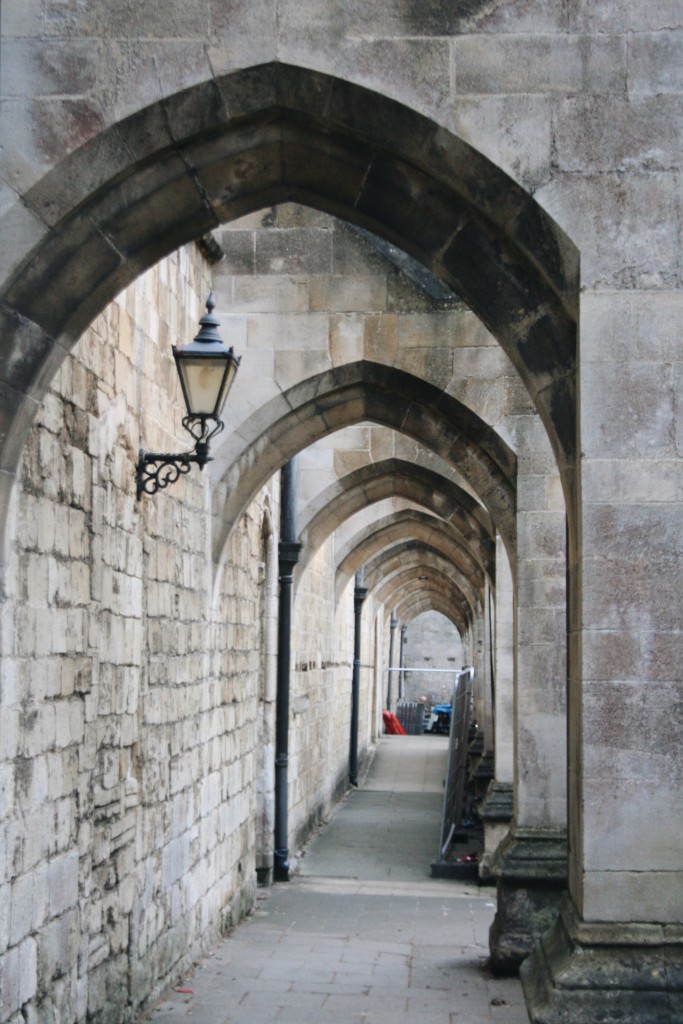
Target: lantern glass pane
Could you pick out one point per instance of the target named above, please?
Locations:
(202, 379)
(230, 371)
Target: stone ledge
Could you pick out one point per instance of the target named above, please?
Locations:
(497, 805)
(538, 854)
(620, 933)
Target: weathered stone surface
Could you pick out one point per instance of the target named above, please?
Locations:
(296, 251)
(497, 804)
(618, 207)
(541, 64)
(416, 70)
(496, 125)
(495, 810)
(408, 18)
(530, 867)
(592, 137)
(517, 84)
(655, 63)
(603, 973)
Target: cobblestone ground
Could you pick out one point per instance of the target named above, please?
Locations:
(362, 934)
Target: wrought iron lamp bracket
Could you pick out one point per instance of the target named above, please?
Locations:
(156, 470)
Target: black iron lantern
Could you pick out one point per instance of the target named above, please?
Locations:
(206, 369)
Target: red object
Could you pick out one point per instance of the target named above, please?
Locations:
(185, 991)
(392, 724)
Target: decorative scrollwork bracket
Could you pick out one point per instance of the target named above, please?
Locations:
(156, 470)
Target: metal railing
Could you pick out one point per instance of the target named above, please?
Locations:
(461, 710)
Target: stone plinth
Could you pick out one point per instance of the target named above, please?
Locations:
(496, 813)
(530, 866)
(603, 973)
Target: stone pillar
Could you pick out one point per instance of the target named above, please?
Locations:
(496, 809)
(504, 666)
(530, 865)
(481, 760)
(496, 814)
(288, 555)
(378, 670)
(616, 952)
(402, 662)
(479, 663)
(488, 684)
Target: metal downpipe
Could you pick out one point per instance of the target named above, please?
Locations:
(359, 594)
(393, 623)
(288, 556)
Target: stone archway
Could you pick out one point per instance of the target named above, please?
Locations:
(397, 478)
(364, 158)
(261, 136)
(362, 391)
(385, 570)
(393, 529)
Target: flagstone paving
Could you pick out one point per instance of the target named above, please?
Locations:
(362, 933)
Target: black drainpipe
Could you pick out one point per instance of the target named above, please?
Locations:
(402, 663)
(393, 623)
(288, 556)
(359, 594)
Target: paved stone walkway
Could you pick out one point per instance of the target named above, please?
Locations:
(362, 934)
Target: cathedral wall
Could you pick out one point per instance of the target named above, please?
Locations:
(128, 702)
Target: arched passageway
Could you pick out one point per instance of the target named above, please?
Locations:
(394, 478)
(262, 140)
(391, 530)
(232, 145)
(367, 391)
(130, 221)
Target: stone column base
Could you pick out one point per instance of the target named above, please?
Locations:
(496, 813)
(264, 876)
(605, 973)
(530, 866)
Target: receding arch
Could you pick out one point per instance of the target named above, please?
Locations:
(439, 584)
(368, 391)
(411, 606)
(395, 477)
(167, 174)
(396, 528)
(420, 558)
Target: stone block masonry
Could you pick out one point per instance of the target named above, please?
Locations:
(130, 697)
(529, 155)
(321, 695)
(129, 702)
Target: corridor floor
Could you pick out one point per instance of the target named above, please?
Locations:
(362, 934)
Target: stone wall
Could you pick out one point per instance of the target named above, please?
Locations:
(321, 693)
(432, 642)
(130, 700)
